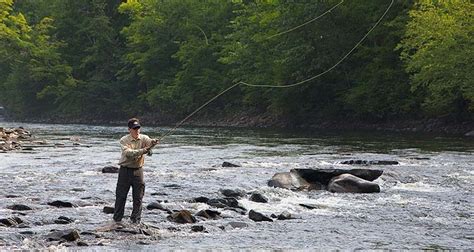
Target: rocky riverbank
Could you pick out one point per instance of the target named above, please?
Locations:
(12, 139)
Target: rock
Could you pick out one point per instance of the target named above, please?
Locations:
(225, 202)
(200, 200)
(183, 217)
(82, 244)
(292, 180)
(68, 235)
(227, 164)
(348, 183)
(197, 228)
(59, 203)
(12, 221)
(313, 206)
(371, 162)
(172, 186)
(156, 205)
(19, 207)
(209, 214)
(285, 216)
(110, 169)
(256, 216)
(323, 176)
(236, 224)
(232, 193)
(257, 197)
(108, 210)
(63, 220)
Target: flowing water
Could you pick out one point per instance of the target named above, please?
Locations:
(426, 202)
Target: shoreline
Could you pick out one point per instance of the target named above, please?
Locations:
(430, 126)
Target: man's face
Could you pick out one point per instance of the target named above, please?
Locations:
(134, 132)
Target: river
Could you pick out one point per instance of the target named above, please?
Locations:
(426, 201)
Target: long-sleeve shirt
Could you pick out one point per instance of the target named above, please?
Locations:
(133, 150)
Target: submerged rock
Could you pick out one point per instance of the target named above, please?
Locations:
(257, 197)
(59, 203)
(12, 221)
(110, 169)
(19, 207)
(183, 217)
(227, 164)
(256, 216)
(232, 193)
(108, 210)
(68, 235)
(209, 214)
(347, 183)
(198, 228)
(370, 162)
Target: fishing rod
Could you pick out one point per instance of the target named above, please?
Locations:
(344, 57)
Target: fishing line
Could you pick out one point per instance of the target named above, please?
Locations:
(288, 85)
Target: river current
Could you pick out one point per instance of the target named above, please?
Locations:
(426, 201)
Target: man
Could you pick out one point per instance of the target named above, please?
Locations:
(134, 147)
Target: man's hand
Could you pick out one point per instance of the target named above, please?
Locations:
(154, 142)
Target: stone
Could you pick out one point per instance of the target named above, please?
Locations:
(257, 197)
(156, 205)
(59, 203)
(348, 183)
(12, 221)
(19, 207)
(370, 162)
(256, 216)
(232, 193)
(323, 176)
(110, 169)
(198, 228)
(68, 235)
(182, 217)
(227, 164)
(285, 216)
(209, 214)
(108, 210)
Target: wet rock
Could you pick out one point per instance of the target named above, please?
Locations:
(82, 244)
(68, 235)
(19, 207)
(197, 228)
(240, 210)
(172, 186)
(27, 232)
(256, 216)
(293, 181)
(200, 200)
(10, 222)
(227, 164)
(183, 217)
(108, 210)
(156, 205)
(110, 169)
(236, 224)
(257, 197)
(285, 216)
(209, 214)
(323, 176)
(370, 162)
(10, 196)
(224, 202)
(347, 183)
(59, 203)
(63, 220)
(313, 206)
(232, 193)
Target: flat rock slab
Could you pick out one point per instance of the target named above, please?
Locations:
(323, 176)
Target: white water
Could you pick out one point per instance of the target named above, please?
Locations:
(425, 202)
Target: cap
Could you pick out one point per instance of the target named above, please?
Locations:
(133, 124)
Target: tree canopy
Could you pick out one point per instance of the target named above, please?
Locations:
(105, 59)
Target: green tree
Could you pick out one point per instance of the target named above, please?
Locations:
(437, 49)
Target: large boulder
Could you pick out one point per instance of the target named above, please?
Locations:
(323, 176)
(292, 180)
(348, 183)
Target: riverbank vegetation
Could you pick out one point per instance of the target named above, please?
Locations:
(109, 59)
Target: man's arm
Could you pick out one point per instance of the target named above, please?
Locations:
(132, 153)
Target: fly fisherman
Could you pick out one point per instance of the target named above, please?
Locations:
(134, 147)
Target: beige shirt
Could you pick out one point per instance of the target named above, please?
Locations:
(133, 150)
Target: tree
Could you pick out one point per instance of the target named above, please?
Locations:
(437, 49)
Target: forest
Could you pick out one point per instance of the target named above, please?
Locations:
(109, 59)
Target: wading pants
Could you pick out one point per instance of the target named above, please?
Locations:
(129, 177)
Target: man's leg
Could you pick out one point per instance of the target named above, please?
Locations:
(138, 190)
(121, 192)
